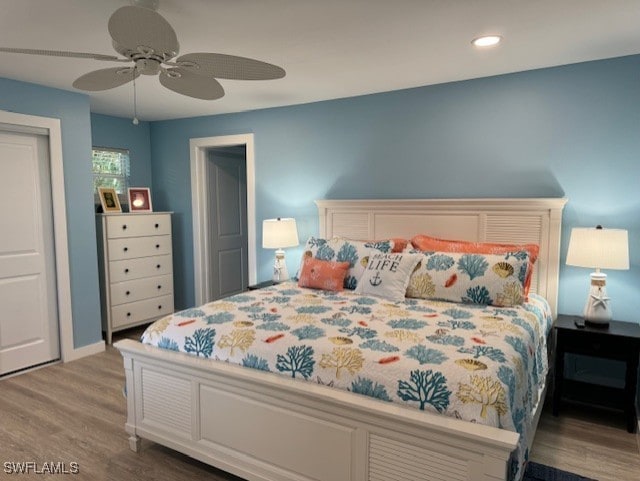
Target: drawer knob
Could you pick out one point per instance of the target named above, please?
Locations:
(159, 287)
(128, 314)
(126, 249)
(157, 225)
(160, 306)
(158, 266)
(126, 271)
(157, 246)
(124, 226)
(127, 293)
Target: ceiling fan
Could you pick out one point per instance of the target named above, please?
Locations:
(144, 37)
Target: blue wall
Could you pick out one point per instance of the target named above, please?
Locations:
(567, 131)
(73, 111)
(115, 132)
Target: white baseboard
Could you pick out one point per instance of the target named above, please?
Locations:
(85, 351)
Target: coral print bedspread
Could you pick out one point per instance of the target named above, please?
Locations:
(479, 363)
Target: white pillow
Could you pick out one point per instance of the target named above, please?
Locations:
(387, 275)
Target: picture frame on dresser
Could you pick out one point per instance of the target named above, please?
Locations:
(139, 199)
(136, 269)
(109, 199)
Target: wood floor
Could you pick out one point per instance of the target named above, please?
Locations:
(75, 412)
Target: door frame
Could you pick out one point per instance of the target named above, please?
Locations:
(59, 209)
(198, 152)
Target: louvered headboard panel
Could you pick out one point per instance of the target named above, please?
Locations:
(486, 220)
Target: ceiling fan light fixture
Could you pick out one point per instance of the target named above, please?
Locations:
(486, 41)
(148, 66)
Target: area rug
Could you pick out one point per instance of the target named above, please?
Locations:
(540, 472)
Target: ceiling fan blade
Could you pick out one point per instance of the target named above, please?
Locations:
(187, 83)
(61, 53)
(106, 78)
(139, 29)
(229, 66)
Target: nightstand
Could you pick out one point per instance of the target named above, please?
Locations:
(260, 285)
(620, 341)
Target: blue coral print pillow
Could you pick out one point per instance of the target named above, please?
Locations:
(492, 279)
(339, 249)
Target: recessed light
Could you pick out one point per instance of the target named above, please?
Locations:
(487, 41)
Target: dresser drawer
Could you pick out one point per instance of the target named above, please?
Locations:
(134, 312)
(131, 247)
(130, 269)
(138, 225)
(130, 291)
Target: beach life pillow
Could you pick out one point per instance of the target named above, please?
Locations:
(491, 279)
(428, 243)
(325, 275)
(339, 249)
(387, 275)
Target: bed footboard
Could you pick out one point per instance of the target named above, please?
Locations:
(264, 427)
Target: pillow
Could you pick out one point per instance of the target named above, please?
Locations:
(338, 249)
(492, 279)
(427, 243)
(387, 275)
(325, 275)
(399, 244)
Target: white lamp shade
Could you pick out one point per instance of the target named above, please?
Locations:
(598, 248)
(279, 233)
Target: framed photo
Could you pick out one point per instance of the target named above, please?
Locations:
(109, 199)
(139, 199)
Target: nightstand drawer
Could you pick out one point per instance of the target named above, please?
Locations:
(594, 344)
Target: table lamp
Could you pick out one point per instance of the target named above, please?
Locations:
(600, 249)
(277, 234)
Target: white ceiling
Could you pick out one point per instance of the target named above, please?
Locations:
(329, 48)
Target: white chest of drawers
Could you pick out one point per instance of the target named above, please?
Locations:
(136, 269)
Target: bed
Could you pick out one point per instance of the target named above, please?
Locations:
(271, 427)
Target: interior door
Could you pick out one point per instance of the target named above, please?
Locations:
(227, 206)
(28, 301)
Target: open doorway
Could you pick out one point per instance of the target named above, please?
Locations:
(224, 260)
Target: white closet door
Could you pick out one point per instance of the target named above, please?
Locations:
(28, 309)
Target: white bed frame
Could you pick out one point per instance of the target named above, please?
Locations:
(265, 427)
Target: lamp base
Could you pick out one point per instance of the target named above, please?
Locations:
(597, 311)
(280, 273)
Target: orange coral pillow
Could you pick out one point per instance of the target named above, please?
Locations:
(325, 275)
(399, 244)
(428, 243)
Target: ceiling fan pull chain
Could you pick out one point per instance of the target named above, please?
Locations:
(135, 102)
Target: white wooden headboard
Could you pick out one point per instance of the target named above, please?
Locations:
(482, 220)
